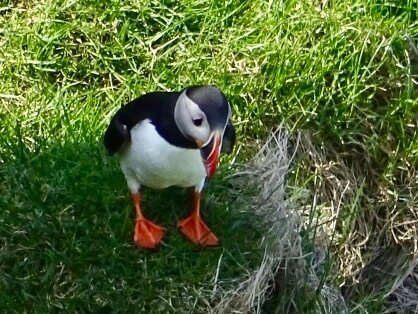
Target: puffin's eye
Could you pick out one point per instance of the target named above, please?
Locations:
(197, 121)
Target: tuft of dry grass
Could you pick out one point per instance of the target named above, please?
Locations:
(266, 173)
(285, 269)
(324, 244)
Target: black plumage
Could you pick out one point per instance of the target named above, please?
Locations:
(158, 107)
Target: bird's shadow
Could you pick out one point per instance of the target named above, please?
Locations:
(69, 205)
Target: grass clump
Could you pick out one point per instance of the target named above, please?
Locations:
(341, 74)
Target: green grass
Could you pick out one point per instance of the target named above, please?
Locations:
(344, 70)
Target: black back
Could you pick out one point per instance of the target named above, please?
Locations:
(228, 141)
(156, 106)
(159, 108)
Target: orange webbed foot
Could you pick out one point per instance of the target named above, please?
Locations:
(196, 230)
(147, 234)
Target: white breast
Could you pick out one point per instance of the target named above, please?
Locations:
(150, 160)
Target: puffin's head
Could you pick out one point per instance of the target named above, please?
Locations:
(201, 113)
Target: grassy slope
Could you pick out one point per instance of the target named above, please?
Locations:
(65, 222)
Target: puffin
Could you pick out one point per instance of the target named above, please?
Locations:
(164, 139)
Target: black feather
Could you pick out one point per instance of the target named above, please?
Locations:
(116, 136)
(158, 107)
(228, 141)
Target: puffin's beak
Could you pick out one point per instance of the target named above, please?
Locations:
(210, 152)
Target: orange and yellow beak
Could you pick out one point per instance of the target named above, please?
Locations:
(210, 153)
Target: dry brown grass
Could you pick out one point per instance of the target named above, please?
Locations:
(363, 233)
(284, 269)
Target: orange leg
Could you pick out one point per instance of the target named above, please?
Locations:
(147, 234)
(194, 228)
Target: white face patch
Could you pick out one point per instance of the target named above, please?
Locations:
(191, 121)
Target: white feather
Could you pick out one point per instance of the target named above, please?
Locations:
(151, 161)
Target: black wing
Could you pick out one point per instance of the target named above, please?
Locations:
(229, 138)
(118, 134)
